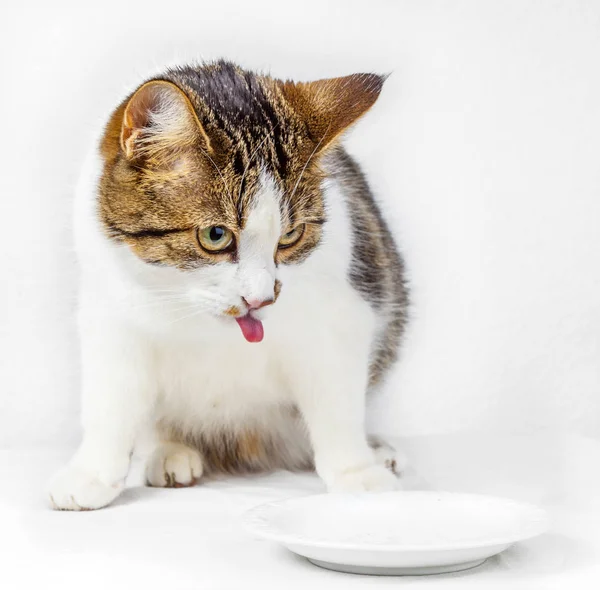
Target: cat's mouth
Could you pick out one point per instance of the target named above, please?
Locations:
(251, 327)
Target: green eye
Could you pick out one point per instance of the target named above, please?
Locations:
(291, 237)
(215, 238)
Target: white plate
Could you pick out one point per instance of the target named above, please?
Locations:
(397, 533)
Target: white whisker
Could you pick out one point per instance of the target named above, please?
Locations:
(188, 316)
(307, 162)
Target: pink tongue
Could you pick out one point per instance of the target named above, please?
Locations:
(252, 329)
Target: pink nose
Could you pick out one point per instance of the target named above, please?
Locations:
(257, 303)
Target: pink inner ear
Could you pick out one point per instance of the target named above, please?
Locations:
(137, 116)
(164, 113)
(141, 105)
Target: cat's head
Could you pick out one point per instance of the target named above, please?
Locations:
(214, 171)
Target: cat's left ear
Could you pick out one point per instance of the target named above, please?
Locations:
(159, 121)
(328, 107)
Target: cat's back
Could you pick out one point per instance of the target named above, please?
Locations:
(376, 268)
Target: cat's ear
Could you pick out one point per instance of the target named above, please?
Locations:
(328, 107)
(159, 121)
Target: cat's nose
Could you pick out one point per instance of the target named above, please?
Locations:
(258, 303)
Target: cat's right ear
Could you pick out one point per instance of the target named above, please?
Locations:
(159, 122)
(328, 107)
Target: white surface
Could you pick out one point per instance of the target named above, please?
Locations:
(483, 147)
(398, 533)
(194, 538)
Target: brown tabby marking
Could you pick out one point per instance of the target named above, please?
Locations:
(200, 165)
(249, 451)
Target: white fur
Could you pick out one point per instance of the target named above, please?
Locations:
(154, 346)
(258, 241)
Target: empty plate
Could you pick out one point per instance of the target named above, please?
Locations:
(397, 533)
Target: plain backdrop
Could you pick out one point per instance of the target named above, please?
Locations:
(483, 149)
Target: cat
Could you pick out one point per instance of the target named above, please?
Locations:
(240, 292)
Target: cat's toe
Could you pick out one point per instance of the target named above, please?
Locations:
(374, 478)
(74, 489)
(390, 458)
(174, 465)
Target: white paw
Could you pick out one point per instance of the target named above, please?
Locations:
(173, 465)
(374, 478)
(74, 489)
(390, 458)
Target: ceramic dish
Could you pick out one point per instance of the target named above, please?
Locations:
(397, 533)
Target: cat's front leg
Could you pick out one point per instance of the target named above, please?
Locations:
(331, 393)
(118, 394)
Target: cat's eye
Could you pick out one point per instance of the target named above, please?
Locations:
(290, 238)
(215, 238)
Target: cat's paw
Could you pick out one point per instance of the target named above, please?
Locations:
(374, 478)
(173, 465)
(390, 457)
(72, 488)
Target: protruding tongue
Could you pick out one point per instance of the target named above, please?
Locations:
(252, 329)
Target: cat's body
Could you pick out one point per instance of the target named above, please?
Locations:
(160, 344)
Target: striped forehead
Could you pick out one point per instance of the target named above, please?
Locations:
(244, 108)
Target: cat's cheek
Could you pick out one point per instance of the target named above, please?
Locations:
(216, 289)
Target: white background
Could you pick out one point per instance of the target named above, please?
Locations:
(484, 150)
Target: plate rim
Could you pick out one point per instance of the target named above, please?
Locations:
(255, 521)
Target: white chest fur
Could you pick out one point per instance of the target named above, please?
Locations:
(202, 369)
